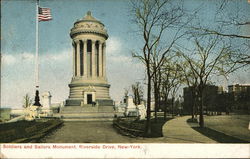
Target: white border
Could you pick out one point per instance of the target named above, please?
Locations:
(131, 151)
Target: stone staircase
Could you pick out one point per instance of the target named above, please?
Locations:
(79, 109)
(105, 102)
(86, 113)
(77, 102)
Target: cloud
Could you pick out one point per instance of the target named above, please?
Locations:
(8, 59)
(120, 59)
(27, 56)
(18, 76)
(114, 45)
(115, 53)
(61, 56)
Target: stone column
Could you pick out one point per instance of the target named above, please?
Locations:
(93, 59)
(104, 60)
(100, 59)
(74, 62)
(78, 57)
(85, 64)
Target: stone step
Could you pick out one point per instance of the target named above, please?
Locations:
(86, 108)
(76, 102)
(105, 102)
(84, 115)
(105, 108)
(77, 107)
(91, 114)
(88, 116)
(89, 119)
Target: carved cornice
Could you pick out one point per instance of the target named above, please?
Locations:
(75, 32)
(84, 20)
(87, 84)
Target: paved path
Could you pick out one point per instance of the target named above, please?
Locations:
(179, 131)
(92, 132)
(174, 131)
(84, 132)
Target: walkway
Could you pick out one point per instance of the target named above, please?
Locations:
(175, 131)
(85, 132)
(179, 131)
(92, 132)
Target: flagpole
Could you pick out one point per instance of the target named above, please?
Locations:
(37, 99)
(37, 58)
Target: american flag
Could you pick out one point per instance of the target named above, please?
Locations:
(44, 14)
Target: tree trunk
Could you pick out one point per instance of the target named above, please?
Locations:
(155, 112)
(148, 122)
(201, 123)
(193, 105)
(165, 107)
(156, 100)
(172, 107)
(196, 108)
(201, 118)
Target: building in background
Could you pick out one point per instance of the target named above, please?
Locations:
(239, 95)
(211, 102)
(216, 100)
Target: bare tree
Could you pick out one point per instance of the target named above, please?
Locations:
(209, 57)
(156, 80)
(171, 80)
(137, 90)
(126, 90)
(191, 80)
(166, 86)
(153, 18)
(27, 101)
(176, 81)
(230, 19)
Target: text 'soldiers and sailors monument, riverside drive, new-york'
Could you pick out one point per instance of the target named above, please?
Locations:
(89, 82)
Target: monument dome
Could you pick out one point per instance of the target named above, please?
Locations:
(88, 24)
(89, 82)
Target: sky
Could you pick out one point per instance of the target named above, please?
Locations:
(55, 49)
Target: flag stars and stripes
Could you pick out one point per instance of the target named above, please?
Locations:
(44, 14)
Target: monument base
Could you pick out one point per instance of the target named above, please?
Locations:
(98, 102)
(86, 113)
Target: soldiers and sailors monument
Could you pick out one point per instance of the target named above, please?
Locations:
(89, 82)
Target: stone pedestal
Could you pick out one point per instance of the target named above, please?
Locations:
(130, 106)
(46, 100)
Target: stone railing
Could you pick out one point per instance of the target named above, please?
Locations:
(129, 126)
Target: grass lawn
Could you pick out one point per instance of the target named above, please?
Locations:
(156, 127)
(235, 126)
(25, 129)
